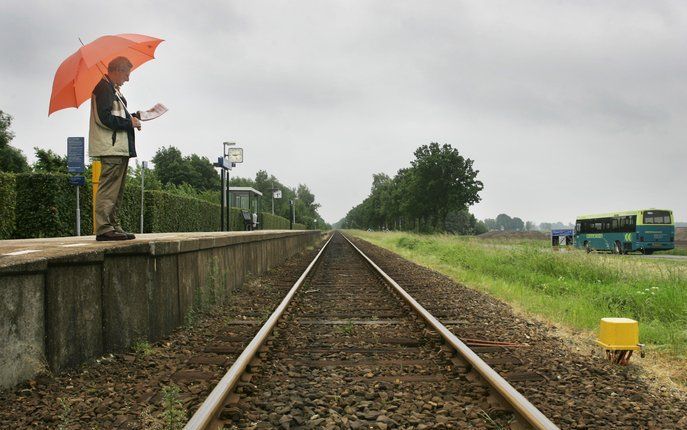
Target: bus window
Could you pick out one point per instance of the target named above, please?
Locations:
(657, 217)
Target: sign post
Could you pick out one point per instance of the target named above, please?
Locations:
(144, 166)
(276, 194)
(75, 164)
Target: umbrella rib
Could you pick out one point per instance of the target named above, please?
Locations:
(144, 53)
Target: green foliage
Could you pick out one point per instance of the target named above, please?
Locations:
(305, 205)
(440, 181)
(195, 176)
(173, 168)
(6, 135)
(174, 414)
(11, 159)
(49, 162)
(8, 197)
(45, 206)
(273, 222)
(169, 212)
(142, 348)
(462, 222)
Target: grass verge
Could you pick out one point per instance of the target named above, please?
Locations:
(571, 288)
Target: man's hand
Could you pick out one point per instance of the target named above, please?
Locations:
(136, 123)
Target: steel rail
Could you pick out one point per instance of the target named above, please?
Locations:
(214, 403)
(522, 407)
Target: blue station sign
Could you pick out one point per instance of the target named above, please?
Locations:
(75, 155)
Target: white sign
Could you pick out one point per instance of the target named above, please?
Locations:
(277, 194)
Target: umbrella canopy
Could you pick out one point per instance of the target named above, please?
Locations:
(78, 75)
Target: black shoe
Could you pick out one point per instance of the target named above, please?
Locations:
(129, 236)
(111, 235)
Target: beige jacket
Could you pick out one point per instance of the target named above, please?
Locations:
(110, 132)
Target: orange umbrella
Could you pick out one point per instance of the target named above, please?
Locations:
(78, 75)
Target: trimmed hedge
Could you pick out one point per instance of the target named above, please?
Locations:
(8, 203)
(273, 222)
(297, 226)
(168, 212)
(43, 205)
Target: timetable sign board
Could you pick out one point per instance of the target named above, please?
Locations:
(75, 155)
(78, 181)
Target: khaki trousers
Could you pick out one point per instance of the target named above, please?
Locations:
(110, 193)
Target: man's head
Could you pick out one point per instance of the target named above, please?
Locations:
(118, 70)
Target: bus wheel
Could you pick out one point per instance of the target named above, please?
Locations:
(587, 247)
(617, 248)
(648, 251)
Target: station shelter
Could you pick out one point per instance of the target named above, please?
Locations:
(248, 200)
(561, 238)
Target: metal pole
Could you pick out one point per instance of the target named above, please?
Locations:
(78, 213)
(272, 198)
(223, 202)
(228, 200)
(143, 173)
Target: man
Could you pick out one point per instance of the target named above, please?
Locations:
(111, 138)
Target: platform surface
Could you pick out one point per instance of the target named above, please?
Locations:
(21, 251)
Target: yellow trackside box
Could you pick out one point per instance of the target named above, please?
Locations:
(619, 334)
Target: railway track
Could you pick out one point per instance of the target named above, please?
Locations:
(349, 348)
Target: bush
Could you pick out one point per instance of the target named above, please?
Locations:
(297, 226)
(45, 206)
(168, 212)
(273, 222)
(8, 197)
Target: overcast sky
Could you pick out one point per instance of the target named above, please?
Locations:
(567, 107)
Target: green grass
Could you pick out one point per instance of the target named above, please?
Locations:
(572, 288)
(680, 250)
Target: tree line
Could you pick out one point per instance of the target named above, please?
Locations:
(432, 195)
(188, 175)
(504, 222)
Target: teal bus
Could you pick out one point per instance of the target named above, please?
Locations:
(646, 231)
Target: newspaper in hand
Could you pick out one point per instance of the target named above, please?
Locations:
(153, 112)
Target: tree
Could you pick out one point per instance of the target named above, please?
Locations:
(49, 162)
(490, 224)
(443, 181)
(517, 224)
(530, 226)
(461, 222)
(173, 168)
(503, 222)
(11, 159)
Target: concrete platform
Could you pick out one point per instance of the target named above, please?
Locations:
(67, 300)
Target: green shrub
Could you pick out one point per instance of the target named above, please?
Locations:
(168, 212)
(297, 226)
(273, 222)
(45, 206)
(8, 203)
